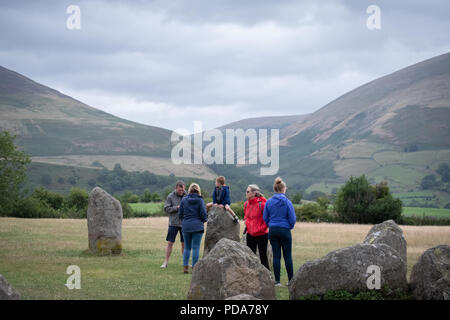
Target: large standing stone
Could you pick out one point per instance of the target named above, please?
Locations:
(220, 225)
(7, 292)
(230, 269)
(430, 276)
(269, 250)
(346, 269)
(388, 233)
(104, 218)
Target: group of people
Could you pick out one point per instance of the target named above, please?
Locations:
(265, 220)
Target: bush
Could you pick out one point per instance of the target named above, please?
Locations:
(92, 182)
(77, 198)
(12, 173)
(52, 199)
(127, 211)
(96, 163)
(146, 196)
(297, 198)
(314, 195)
(428, 182)
(129, 197)
(32, 207)
(238, 208)
(359, 202)
(156, 197)
(73, 213)
(72, 180)
(312, 212)
(383, 209)
(444, 171)
(323, 202)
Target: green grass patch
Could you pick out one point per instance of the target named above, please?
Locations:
(430, 212)
(150, 209)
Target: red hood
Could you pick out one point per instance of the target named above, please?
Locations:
(257, 199)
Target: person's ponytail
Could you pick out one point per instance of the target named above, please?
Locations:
(279, 185)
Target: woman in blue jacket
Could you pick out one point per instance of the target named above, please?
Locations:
(279, 215)
(192, 213)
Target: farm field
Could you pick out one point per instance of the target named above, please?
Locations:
(156, 209)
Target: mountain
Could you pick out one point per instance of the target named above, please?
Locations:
(410, 98)
(277, 122)
(394, 129)
(48, 122)
(58, 129)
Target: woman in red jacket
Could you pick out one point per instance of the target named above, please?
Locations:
(257, 231)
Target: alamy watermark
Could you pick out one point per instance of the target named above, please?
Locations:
(374, 20)
(73, 22)
(213, 153)
(374, 280)
(74, 281)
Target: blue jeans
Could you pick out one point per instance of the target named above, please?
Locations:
(191, 241)
(280, 238)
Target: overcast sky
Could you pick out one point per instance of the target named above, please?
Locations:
(167, 63)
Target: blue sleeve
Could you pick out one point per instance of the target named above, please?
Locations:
(292, 216)
(181, 210)
(266, 215)
(226, 197)
(203, 214)
(214, 196)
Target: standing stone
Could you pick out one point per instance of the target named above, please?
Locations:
(7, 292)
(104, 218)
(220, 225)
(230, 269)
(269, 251)
(346, 269)
(388, 233)
(430, 276)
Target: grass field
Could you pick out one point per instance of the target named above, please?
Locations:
(432, 212)
(150, 207)
(35, 253)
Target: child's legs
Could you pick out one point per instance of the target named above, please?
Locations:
(196, 240)
(187, 247)
(228, 208)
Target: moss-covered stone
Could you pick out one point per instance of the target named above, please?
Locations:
(105, 246)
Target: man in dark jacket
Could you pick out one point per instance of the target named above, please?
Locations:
(171, 207)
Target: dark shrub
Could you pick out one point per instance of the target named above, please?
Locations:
(359, 202)
(53, 199)
(77, 198)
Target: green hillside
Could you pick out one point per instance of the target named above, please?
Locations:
(48, 122)
(395, 129)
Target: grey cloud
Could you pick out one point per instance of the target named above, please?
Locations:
(277, 57)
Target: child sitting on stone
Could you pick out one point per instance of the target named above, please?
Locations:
(221, 197)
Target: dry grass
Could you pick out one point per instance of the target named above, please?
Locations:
(34, 255)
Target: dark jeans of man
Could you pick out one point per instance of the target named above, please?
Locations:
(280, 238)
(259, 242)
